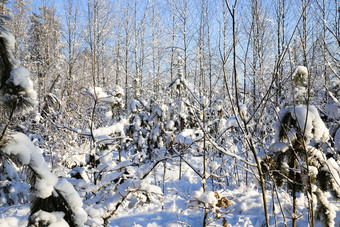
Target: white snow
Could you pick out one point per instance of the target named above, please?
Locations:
(141, 166)
(243, 109)
(279, 146)
(108, 115)
(107, 178)
(204, 101)
(19, 147)
(114, 97)
(54, 219)
(103, 132)
(97, 92)
(20, 77)
(46, 181)
(188, 136)
(207, 198)
(334, 169)
(311, 124)
(313, 171)
(133, 106)
(231, 122)
(10, 44)
(9, 222)
(14, 216)
(330, 206)
(150, 188)
(300, 93)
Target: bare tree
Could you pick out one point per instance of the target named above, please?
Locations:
(181, 11)
(45, 49)
(237, 110)
(71, 36)
(99, 27)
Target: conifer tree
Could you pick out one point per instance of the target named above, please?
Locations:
(296, 158)
(55, 200)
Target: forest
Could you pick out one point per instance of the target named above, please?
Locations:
(174, 113)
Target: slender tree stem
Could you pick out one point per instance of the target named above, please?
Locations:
(9, 121)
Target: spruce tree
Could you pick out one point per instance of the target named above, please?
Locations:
(54, 200)
(297, 160)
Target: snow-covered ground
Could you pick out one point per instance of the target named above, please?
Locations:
(245, 209)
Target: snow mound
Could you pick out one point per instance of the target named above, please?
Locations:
(208, 198)
(232, 122)
(115, 96)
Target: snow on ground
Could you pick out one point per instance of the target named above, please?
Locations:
(246, 207)
(158, 219)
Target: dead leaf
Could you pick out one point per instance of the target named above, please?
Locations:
(224, 223)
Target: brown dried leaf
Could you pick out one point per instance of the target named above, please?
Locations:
(224, 223)
(224, 202)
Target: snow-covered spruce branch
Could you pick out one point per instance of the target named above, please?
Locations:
(45, 185)
(89, 134)
(328, 164)
(18, 95)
